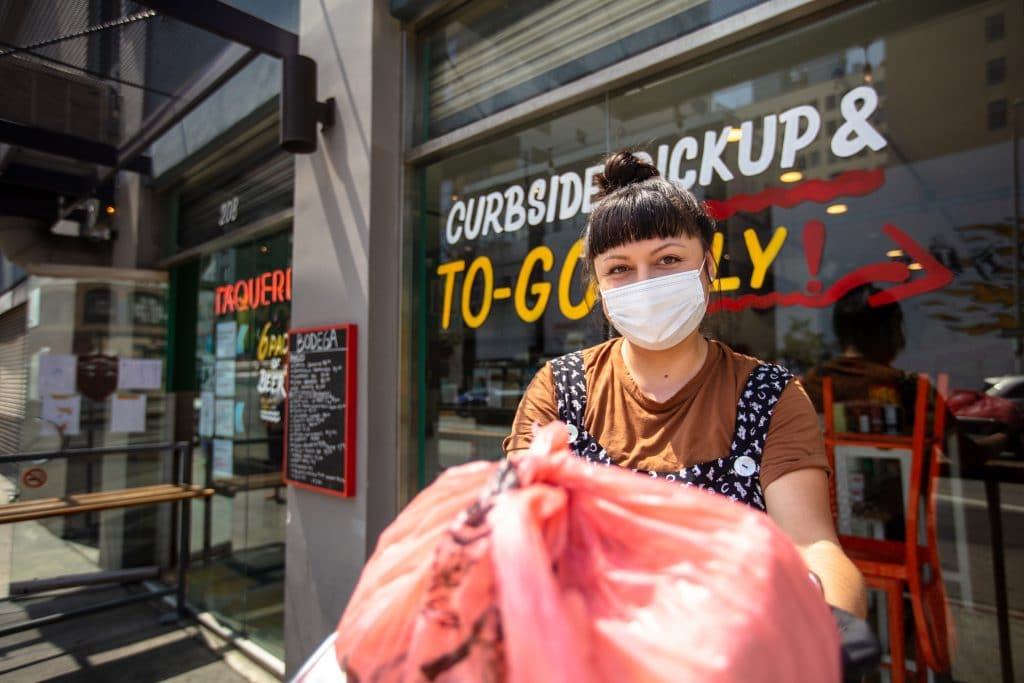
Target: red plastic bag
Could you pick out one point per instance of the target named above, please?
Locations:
(563, 571)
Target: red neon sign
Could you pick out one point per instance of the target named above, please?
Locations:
(272, 287)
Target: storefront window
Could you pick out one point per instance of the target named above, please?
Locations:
(503, 291)
(244, 309)
(839, 164)
(95, 348)
(491, 55)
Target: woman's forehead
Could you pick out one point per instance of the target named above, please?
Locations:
(655, 244)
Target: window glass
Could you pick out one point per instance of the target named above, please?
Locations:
(997, 114)
(995, 27)
(95, 349)
(491, 55)
(502, 290)
(244, 310)
(995, 71)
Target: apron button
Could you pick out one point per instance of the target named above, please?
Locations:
(744, 466)
(573, 433)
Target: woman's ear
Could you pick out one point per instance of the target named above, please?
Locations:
(712, 266)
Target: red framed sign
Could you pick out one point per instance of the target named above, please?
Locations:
(320, 413)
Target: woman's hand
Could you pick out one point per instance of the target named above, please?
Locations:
(799, 503)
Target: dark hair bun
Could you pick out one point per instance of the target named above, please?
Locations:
(622, 169)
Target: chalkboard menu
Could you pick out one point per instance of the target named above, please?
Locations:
(320, 410)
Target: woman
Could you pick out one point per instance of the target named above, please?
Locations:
(664, 400)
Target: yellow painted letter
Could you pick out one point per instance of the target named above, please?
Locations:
(762, 259)
(447, 271)
(481, 264)
(541, 290)
(721, 284)
(570, 310)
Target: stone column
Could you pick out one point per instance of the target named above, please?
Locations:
(346, 269)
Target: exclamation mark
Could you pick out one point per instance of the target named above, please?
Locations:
(814, 245)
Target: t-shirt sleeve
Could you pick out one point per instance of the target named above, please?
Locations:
(536, 407)
(795, 438)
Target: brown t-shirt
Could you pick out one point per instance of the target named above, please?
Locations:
(694, 426)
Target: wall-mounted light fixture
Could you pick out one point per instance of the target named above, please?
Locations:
(300, 110)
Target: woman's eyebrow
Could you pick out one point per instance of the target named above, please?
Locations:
(669, 245)
(614, 257)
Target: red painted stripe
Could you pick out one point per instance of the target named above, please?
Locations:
(851, 183)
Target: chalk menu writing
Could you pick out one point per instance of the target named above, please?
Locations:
(318, 420)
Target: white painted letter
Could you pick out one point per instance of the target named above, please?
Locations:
(515, 216)
(685, 148)
(663, 160)
(552, 199)
(474, 219)
(492, 217)
(856, 133)
(452, 229)
(793, 140)
(711, 161)
(535, 199)
(590, 187)
(748, 166)
(572, 196)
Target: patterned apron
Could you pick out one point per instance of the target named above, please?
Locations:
(736, 475)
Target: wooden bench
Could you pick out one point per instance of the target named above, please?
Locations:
(72, 504)
(179, 491)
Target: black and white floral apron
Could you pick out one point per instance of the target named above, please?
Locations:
(736, 476)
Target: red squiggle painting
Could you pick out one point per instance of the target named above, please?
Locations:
(935, 277)
(849, 184)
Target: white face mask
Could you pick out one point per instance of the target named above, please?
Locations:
(660, 312)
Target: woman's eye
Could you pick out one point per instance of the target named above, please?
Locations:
(616, 270)
(670, 260)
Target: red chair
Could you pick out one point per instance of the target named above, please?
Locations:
(909, 566)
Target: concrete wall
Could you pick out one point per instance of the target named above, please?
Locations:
(346, 251)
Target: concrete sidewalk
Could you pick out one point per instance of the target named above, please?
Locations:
(122, 644)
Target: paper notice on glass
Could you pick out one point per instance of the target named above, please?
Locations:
(224, 418)
(223, 458)
(127, 413)
(57, 374)
(206, 414)
(63, 413)
(224, 381)
(139, 373)
(226, 339)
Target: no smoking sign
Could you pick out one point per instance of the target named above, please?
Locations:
(34, 478)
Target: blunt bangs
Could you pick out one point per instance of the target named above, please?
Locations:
(652, 209)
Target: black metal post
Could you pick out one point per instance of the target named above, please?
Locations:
(207, 504)
(995, 521)
(1018, 343)
(185, 520)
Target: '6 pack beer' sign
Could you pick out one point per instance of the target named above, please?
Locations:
(320, 409)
